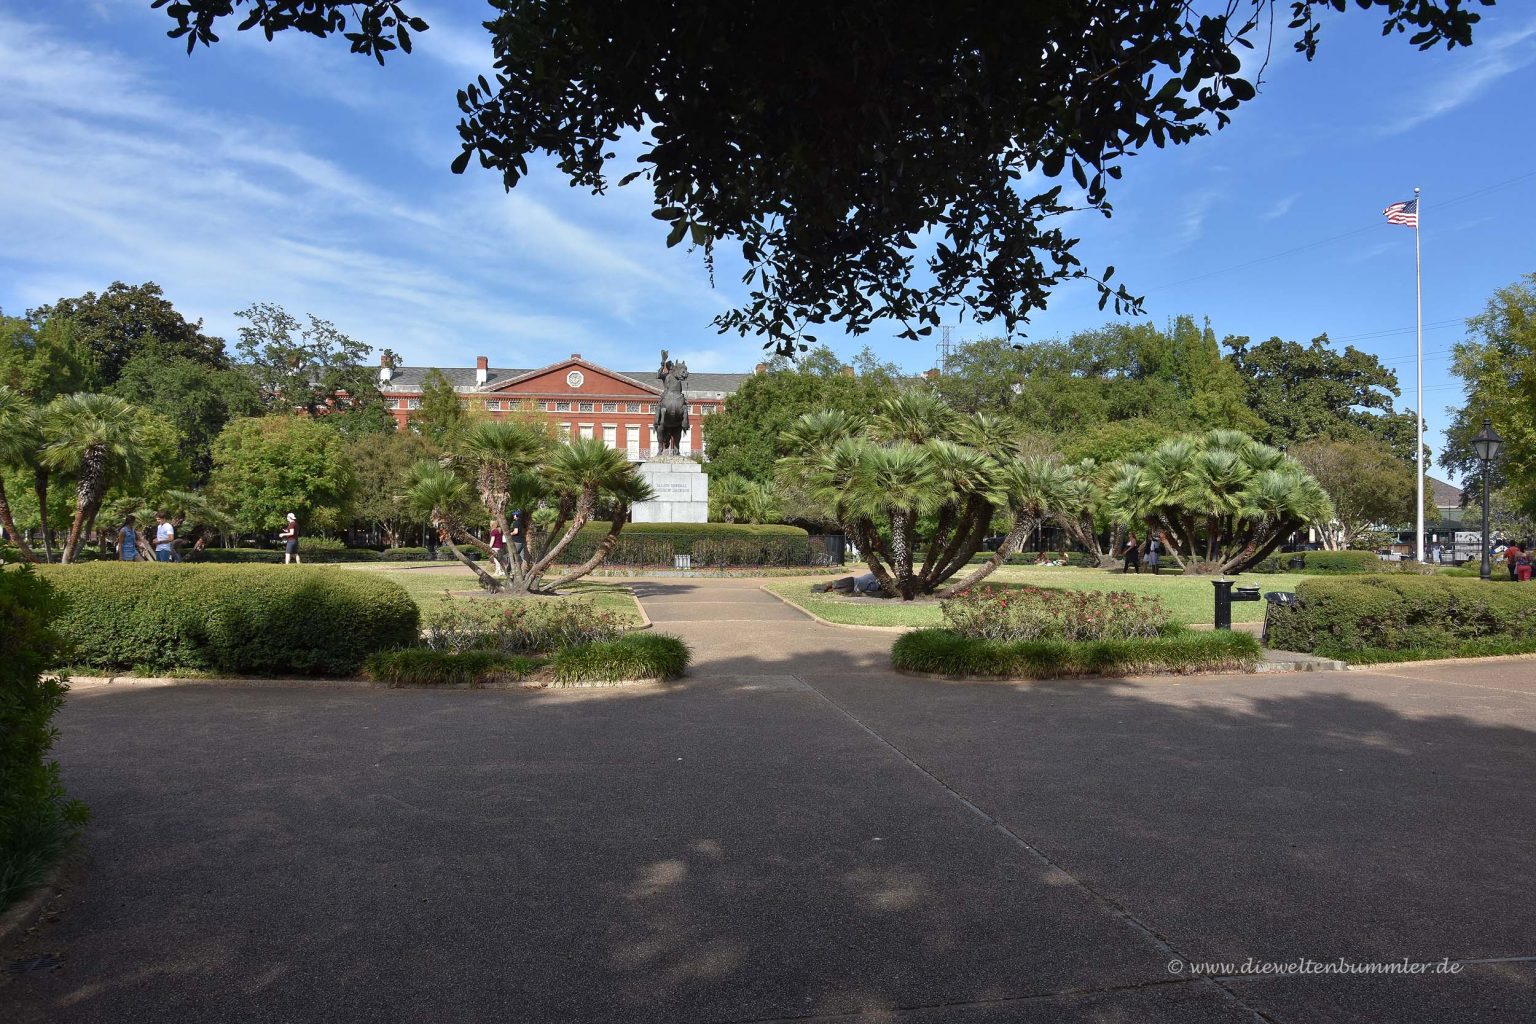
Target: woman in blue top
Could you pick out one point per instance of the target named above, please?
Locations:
(128, 542)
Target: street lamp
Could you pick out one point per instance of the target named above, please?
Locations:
(1487, 445)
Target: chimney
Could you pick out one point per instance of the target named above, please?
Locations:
(575, 355)
(932, 374)
(760, 368)
(386, 372)
(482, 369)
(847, 371)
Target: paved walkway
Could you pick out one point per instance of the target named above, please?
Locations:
(796, 833)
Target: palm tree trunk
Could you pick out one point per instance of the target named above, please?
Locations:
(584, 506)
(620, 515)
(7, 521)
(1021, 529)
(452, 528)
(40, 488)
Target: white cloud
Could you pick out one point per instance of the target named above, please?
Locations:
(1469, 77)
(111, 174)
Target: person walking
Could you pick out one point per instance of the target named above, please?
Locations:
(519, 538)
(128, 542)
(290, 539)
(1132, 555)
(499, 550)
(165, 538)
(1512, 553)
(1154, 553)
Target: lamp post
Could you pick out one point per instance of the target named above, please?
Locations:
(1487, 445)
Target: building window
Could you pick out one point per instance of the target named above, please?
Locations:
(492, 405)
(586, 431)
(610, 407)
(584, 407)
(565, 431)
(631, 406)
(414, 403)
(562, 407)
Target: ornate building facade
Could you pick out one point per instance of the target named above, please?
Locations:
(581, 397)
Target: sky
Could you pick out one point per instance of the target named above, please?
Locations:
(297, 173)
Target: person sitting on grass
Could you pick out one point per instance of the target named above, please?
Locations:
(290, 539)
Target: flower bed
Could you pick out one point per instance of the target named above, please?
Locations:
(1033, 613)
(1031, 633)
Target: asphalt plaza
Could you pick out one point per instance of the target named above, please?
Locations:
(794, 832)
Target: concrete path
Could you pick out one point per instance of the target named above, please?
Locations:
(794, 832)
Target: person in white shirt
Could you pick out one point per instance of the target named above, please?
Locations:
(165, 538)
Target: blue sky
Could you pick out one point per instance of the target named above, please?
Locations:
(297, 173)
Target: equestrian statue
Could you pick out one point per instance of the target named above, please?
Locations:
(672, 411)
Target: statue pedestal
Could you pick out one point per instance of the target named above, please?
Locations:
(682, 492)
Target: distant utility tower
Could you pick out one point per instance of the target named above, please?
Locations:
(946, 347)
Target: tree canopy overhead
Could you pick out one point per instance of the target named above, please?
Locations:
(831, 141)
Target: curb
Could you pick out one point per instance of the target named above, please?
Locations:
(645, 619)
(23, 914)
(835, 625)
(346, 684)
(1492, 659)
(1082, 678)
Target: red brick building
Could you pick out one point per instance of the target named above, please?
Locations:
(581, 397)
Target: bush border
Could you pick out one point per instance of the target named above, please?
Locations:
(1180, 650)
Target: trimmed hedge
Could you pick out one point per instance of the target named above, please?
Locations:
(1177, 650)
(317, 550)
(1391, 612)
(256, 620)
(37, 820)
(1341, 562)
(708, 544)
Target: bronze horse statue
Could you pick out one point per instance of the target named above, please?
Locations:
(672, 411)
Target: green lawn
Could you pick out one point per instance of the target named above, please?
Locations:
(1190, 600)
(427, 587)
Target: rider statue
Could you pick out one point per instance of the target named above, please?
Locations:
(672, 411)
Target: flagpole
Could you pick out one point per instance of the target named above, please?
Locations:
(1418, 287)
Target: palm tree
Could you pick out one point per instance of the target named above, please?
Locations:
(582, 470)
(622, 492)
(1036, 489)
(18, 441)
(443, 497)
(97, 438)
(497, 450)
(1222, 500)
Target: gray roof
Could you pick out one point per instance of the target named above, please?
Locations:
(698, 385)
(1445, 495)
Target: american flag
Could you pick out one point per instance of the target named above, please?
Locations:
(1405, 213)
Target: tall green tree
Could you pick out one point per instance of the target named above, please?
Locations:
(1367, 483)
(1301, 392)
(380, 465)
(827, 143)
(267, 466)
(1497, 366)
(112, 326)
(746, 438)
(200, 399)
(307, 365)
(441, 419)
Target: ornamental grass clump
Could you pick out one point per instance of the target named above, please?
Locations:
(1035, 613)
(540, 625)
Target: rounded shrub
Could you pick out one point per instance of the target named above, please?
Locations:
(258, 620)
